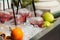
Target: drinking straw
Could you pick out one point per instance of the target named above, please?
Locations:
(17, 7)
(14, 14)
(20, 3)
(34, 7)
(3, 5)
(8, 4)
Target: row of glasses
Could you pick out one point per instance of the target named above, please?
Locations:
(22, 14)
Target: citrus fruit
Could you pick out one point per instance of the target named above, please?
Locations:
(47, 16)
(17, 34)
(46, 24)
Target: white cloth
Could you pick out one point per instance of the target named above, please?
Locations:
(47, 5)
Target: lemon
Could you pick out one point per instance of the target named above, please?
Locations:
(46, 24)
(47, 16)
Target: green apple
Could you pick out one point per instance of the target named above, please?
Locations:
(47, 16)
(46, 24)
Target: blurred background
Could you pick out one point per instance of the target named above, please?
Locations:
(6, 6)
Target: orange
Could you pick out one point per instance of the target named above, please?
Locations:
(17, 34)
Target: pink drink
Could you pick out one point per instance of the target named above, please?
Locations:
(24, 12)
(36, 21)
(5, 16)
